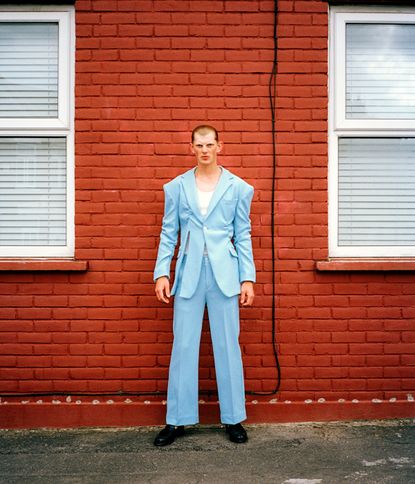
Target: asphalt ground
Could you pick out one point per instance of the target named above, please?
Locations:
(381, 451)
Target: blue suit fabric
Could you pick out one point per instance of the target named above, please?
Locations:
(213, 280)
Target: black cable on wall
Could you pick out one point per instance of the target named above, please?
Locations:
(272, 88)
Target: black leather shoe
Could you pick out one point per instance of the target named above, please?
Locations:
(236, 433)
(168, 434)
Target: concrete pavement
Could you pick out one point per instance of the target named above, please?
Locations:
(302, 453)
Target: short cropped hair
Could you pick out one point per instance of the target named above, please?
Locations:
(205, 129)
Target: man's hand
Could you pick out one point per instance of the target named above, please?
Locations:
(247, 293)
(163, 289)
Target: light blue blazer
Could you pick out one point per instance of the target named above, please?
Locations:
(225, 229)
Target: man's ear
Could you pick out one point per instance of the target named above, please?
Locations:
(192, 150)
(220, 146)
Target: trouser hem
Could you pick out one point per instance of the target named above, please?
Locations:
(230, 420)
(193, 420)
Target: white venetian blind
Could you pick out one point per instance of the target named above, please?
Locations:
(380, 71)
(32, 191)
(376, 192)
(28, 69)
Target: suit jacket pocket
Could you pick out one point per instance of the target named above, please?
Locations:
(232, 250)
(228, 207)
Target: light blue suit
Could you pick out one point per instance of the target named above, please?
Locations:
(214, 280)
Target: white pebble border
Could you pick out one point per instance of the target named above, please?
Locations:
(273, 401)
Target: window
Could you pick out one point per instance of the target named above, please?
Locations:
(372, 132)
(36, 132)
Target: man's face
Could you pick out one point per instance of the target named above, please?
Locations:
(205, 148)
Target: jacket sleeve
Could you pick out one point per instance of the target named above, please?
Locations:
(242, 234)
(169, 232)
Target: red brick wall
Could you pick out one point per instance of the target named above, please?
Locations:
(146, 73)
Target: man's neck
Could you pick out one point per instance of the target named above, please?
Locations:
(208, 171)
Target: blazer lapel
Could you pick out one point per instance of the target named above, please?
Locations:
(224, 183)
(189, 186)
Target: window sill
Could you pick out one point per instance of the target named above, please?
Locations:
(43, 265)
(366, 265)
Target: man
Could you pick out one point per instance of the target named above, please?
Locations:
(210, 206)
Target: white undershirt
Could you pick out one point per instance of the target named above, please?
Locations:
(203, 200)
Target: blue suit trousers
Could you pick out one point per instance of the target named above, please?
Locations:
(223, 312)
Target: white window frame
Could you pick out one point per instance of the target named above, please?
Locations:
(62, 121)
(61, 126)
(339, 126)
